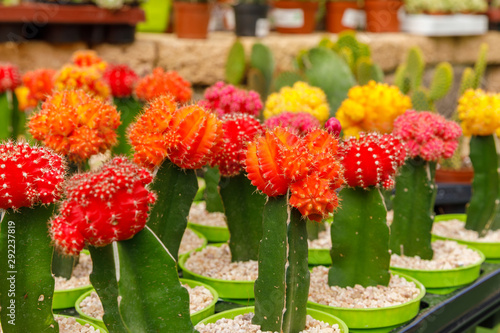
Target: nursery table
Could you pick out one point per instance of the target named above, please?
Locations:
(461, 310)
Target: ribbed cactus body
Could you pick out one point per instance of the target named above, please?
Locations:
(146, 277)
(211, 194)
(297, 275)
(481, 208)
(360, 238)
(243, 208)
(27, 285)
(413, 209)
(176, 189)
(270, 285)
(5, 117)
(129, 109)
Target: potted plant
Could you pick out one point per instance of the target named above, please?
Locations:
(295, 16)
(382, 15)
(336, 15)
(191, 18)
(428, 137)
(251, 18)
(32, 179)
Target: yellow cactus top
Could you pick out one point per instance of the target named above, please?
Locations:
(372, 107)
(479, 112)
(299, 98)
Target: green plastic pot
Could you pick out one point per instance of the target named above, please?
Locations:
(201, 189)
(319, 257)
(200, 235)
(84, 321)
(195, 317)
(316, 314)
(444, 281)
(225, 288)
(157, 16)
(213, 234)
(491, 250)
(372, 320)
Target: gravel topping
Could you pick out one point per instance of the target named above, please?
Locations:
(198, 214)
(199, 298)
(243, 323)
(70, 325)
(399, 291)
(324, 240)
(190, 241)
(456, 229)
(447, 255)
(80, 275)
(215, 262)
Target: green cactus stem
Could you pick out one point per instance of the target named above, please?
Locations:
(360, 238)
(481, 208)
(261, 58)
(18, 117)
(62, 265)
(243, 207)
(413, 210)
(212, 197)
(104, 281)
(5, 117)
(235, 64)
(441, 81)
(152, 298)
(129, 108)
(286, 79)
(270, 285)
(27, 285)
(297, 275)
(313, 229)
(176, 189)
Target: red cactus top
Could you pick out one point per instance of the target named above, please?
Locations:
(225, 99)
(161, 83)
(427, 134)
(371, 160)
(121, 80)
(187, 136)
(280, 161)
(111, 204)
(9, 77)
(237, 131)
(29, 175)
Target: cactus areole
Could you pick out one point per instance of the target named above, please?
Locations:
(359, 230)
(300, 176)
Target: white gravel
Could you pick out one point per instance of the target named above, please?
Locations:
(215, 262)
(243, 324)
(70, 325)
(399, 291)
(80, 276)
(199, 298)
(447, 255)
(198, 214)
(190, 241)
(456, 229)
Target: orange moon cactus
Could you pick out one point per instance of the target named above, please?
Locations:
(186, 136)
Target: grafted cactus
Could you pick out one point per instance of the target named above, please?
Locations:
(176, 141)
(300, 175)
(360, 235)
(409, 77)
(479, 114)
(30, 183)
(160, 83)
(135, 274)
(428, 137)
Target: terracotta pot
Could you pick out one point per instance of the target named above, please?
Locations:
(334, 14)
(295, 17)
(191, 19)
(382, 15)
(464, 176)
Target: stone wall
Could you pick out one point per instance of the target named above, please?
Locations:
(202, 61)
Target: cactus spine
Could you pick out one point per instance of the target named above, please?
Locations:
(413, 209)
(243, 208)
(481, 208)
(176, 189)
(26, 254)
(360, 238)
